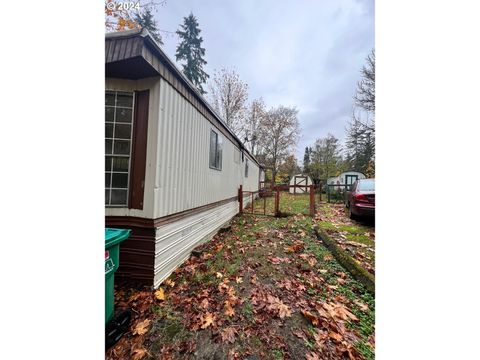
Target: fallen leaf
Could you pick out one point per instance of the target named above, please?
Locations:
(141, 328)
(219, 275)
(204, 304)
(284, 311)
(239, 280)
(315, 320)
(328, 257)
(363, 307)
(228, 335)
(341, 281)
(335, 336)
(160, 294)
(138, 354)
(169, 283)
(300, 334)
(206, 320)
(312, 356)
(229, 311)
(206, 256)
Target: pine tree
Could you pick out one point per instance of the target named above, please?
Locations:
(190, 50)
(146, 20)
(306, 160)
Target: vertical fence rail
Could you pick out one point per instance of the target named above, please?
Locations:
(240, 199)
(277, 202)
(312, 200)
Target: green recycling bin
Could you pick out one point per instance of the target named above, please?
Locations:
(113, 238)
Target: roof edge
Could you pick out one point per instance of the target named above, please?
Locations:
(156, 47)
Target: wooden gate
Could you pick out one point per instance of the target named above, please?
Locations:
(298, 181)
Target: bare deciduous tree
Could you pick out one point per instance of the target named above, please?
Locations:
(278, 135)
(252, 123)
(228, 95)
(365, 96)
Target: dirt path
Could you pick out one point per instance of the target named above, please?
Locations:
(266, 289)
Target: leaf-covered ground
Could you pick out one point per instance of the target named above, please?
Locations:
(265, 289)
(357, 238)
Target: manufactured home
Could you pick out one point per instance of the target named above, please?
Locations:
(172, 167)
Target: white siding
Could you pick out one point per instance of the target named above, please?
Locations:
(175, 241)
(251, 182)
(183, 178)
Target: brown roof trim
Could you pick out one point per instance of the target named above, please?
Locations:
(133, 221)
(178, 79)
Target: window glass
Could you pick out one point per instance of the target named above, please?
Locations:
(236, 156)
(366, 185)
(120, 164)
(123, 115)
(109, 113)
(118, 197)
(122, 147)
(219, 152)
(110, 98)
(246, 167)
(122, 131)
(216, 148)
(124, 99)
(119, 180)
(108, 130)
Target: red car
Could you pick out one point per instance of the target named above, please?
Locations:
(360, 200)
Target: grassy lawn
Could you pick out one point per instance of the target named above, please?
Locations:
(265, 289)
(289, 204)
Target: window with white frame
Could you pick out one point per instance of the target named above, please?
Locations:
(246, 168)
(216, 144)
(118, 143)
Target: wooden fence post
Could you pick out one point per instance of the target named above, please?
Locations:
(240, 198)
(277, 203)
(312, 201)
(252, 202)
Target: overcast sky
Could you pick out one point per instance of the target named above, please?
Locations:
(303, 53)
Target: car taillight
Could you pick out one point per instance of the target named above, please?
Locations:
(360, 198)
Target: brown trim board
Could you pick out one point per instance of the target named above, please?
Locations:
(113, 221)
(139, 150)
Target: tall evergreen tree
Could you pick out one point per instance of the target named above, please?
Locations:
(306, 160)
(190, 50)
(146, 20)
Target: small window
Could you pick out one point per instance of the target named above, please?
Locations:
(215, 151)
(236, 155)
(246, 168)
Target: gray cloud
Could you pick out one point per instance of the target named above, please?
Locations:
(304, 53)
